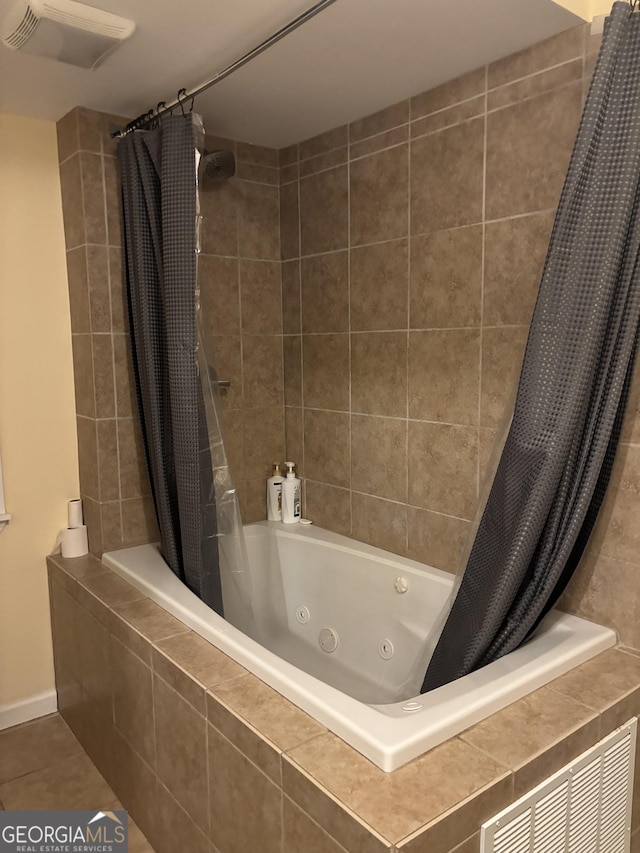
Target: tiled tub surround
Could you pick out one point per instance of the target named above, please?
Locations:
(204, 755)
(413, 242)
(239, 277)
(355, 692)
(402, 335)
(208, 758)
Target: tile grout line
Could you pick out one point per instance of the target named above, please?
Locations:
(206, 742)
(340, 848)
(303, 483)
(443, 110)
(412, 118)
(407, 504)
(394, 417)
(349, 354)
(242, 407)
(281, 335)
(498, 219)
(482, 282)
(469, 225)
(408, 342)
(91, 333)
(456, 103)
(335, 798)
(472, 327)
(113, 351)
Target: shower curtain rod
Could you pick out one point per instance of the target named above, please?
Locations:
(183, 95)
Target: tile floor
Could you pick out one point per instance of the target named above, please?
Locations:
(42, 766)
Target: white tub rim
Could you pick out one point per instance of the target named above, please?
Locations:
(387, 735)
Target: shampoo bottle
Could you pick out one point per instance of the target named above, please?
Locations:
(291, 509)
(274, 494)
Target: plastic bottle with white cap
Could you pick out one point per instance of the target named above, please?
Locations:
(291, 504)
(274, 494)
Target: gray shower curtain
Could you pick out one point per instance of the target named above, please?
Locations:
(159, 214)
(574, 384)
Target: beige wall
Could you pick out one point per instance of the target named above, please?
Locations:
(586, 9)
(37, 426)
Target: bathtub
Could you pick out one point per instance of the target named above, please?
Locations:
(340, 624)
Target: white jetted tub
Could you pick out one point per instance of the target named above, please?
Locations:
(340, 626)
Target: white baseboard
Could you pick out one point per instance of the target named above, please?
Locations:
(28, 709)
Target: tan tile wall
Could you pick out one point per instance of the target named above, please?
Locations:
(413, 242)
(406, 264)
(113, 481)
(240, 281)
(203, 753)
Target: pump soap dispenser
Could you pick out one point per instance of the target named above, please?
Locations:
(274, 494)
(291, 506)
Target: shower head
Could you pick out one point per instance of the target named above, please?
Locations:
(218, 165)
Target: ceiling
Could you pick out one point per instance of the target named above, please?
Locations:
(352, 59)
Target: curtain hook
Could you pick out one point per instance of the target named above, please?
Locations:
(157, 117)
(182, 96)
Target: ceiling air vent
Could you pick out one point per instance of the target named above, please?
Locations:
(24, 29)
(64, 30)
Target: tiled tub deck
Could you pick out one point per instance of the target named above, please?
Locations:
(206, 757)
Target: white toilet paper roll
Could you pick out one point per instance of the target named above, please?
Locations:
(74, 542)
(74, 513)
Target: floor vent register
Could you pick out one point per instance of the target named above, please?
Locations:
(583, 808)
